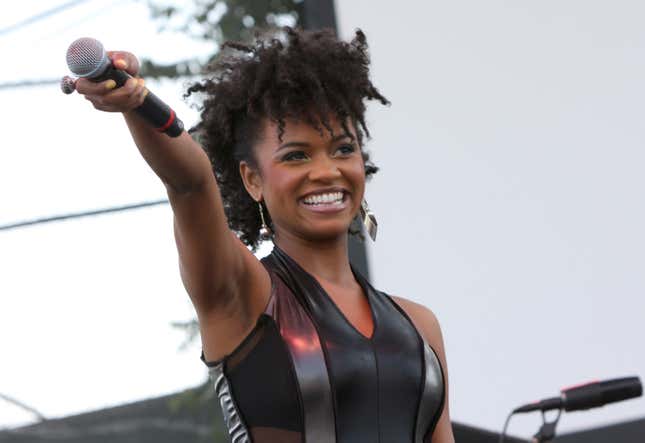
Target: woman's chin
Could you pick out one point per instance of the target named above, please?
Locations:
(328, 232)
(327, 226)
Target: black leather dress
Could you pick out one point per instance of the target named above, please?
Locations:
(305, 374)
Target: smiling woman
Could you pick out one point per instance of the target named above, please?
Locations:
(255, 91)
(299, 345)
(312, 183)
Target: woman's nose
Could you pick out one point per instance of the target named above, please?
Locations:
(324, 169)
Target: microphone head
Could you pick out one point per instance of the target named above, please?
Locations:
(86, 57)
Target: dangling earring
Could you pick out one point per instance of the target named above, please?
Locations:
(265, 232)
(369, 220)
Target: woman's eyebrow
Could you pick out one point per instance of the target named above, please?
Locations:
(299, 144)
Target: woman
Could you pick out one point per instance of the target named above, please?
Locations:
(300, 346)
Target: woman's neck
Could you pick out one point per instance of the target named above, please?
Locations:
(324, 260)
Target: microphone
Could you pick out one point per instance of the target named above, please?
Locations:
(87, 58)
(589, 395)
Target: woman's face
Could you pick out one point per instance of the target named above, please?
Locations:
(311, 183)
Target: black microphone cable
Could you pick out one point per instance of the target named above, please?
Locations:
(546, 432)
(502, 436)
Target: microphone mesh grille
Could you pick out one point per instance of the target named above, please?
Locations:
(85, 56)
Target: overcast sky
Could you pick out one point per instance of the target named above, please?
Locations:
(85, 304)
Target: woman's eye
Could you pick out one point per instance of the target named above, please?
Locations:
(294, 155)
(346, 149)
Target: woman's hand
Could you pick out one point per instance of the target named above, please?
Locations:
(105, 96)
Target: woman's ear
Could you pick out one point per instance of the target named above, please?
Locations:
(252, 180)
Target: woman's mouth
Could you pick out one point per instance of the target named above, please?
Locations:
(326, 202)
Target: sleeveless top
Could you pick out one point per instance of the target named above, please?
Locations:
(305, 374)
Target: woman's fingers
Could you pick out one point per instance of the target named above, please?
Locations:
(125, 97)
(106, 97)
(132, 97)
(125, 61)
(87, 87)
(140, 94)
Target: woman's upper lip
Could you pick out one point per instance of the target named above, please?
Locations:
(324, 191)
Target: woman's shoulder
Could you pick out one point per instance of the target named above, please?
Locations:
(423, 319)
(428, 326)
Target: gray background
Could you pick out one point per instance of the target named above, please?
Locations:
(510, 195)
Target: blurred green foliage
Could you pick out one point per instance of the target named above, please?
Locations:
(216, 21)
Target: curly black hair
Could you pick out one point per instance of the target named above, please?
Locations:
(302, 75)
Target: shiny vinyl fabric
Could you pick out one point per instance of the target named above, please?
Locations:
(333, 383)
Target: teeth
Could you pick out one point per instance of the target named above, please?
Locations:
(330, 197)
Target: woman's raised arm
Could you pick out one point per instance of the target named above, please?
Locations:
(227, 284)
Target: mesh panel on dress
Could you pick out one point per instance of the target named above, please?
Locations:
(246, 346)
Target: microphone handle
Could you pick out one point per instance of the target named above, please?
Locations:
(597, 394)
(153, 109)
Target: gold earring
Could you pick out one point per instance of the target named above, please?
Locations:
(265, 232)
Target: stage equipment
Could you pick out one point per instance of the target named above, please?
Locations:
(578, 398)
